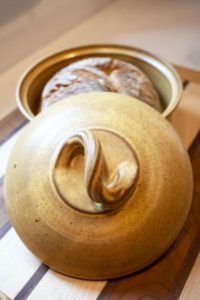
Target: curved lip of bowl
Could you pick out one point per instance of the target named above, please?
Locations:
(159, 63)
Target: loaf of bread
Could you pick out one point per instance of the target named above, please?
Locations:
(100, 74)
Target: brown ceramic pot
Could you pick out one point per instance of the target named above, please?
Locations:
(98, 186)
(164, 77)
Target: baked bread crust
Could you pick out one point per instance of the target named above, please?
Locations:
(100, 74)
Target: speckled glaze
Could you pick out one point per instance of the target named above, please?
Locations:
(69, 162)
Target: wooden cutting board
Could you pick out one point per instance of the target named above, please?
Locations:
(175, 275)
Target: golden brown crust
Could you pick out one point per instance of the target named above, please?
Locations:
(100, 74)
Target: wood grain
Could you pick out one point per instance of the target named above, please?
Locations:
(188, 74)
(32, 282)
(191, 289)
(186, 118)
(11, 124)
(3, 214)
(5, 151)
(56, 286)
(22, 276)
(3, 296)
(17, 264)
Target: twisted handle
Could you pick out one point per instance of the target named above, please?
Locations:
(108, 189)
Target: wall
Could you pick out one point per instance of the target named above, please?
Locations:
(28, 25)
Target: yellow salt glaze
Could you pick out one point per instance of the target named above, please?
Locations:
(98, 185)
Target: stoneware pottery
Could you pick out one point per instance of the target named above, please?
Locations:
(163, 76)
(98, 185)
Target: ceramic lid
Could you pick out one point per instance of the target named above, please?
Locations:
(98, 186)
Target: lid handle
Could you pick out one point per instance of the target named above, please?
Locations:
(108, 189)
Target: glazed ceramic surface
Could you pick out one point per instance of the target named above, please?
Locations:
(163, 76)
(98, 186)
